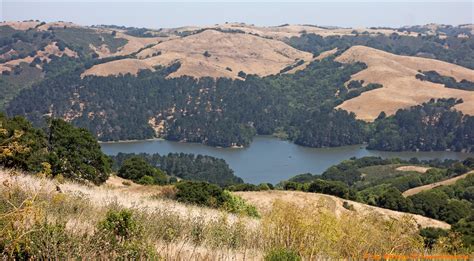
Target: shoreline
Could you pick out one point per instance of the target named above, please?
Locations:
(129, 141)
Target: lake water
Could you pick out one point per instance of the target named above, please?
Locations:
(269, 159)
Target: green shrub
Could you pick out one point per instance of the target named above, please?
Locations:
(146, 180)
(120, 223)
(200, 193)
(431, 235)
(137, 169)
(236, 204)
(205, 194)
(335, 188)
(281, 254)
(263, 186)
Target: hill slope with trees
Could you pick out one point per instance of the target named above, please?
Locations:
(305, 99)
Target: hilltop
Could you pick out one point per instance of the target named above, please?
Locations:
(229, 54)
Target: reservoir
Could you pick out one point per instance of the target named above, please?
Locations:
(269, 159)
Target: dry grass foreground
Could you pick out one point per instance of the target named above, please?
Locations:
(67, 225)
(400, 87)
(210, 53)
(263, 201)
(446, 182)
(33, 204)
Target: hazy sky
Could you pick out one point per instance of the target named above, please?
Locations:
(156, 14)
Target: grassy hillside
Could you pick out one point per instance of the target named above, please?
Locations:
(435, 189)
(401, 87)
(117, 220)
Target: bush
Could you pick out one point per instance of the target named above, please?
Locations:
(264, 186)
(282, 254)
(348, 206)
(236, 204)
(137, 169)
(146, 180)
(205, 194)
(431, 235)
(120, 223)
(335, 188)
(200, 193)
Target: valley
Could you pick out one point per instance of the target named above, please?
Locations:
(235, 141)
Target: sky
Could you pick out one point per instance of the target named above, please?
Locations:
(160, 14)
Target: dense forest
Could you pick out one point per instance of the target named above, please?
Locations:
(185, 166)
(379, 182)
(431, 126)
(220, 112)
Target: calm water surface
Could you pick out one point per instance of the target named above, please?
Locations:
(269, 159)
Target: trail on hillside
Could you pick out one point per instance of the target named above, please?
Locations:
(446, 182)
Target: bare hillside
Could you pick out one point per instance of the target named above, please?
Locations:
(211, 53)
(400, 87)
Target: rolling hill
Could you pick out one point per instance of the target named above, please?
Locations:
(401, 88)
(222, 84)
(199, 58)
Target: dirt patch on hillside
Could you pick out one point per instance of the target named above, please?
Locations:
(211, 53)
(413, 168)
(263, 201)
(400, 87)
(447, 182)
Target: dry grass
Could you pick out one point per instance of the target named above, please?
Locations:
(58, 24)
(400, 87)
(288, 31)
(133, 44)
(179, 231)
(263, 201)
(48, 50)
(20, 25)
(238, 52)
(419, 169)
(446, 182)
(303, 222)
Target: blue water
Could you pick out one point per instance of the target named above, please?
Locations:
(269, 159)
